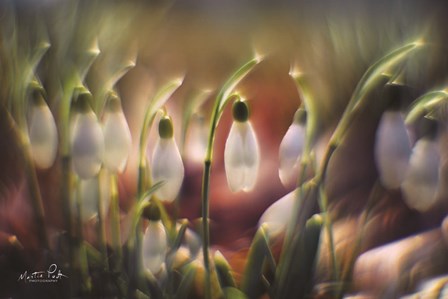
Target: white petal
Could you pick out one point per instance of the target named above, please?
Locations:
(422, 178)
(392, 149)
(251, 157)
(241, 157)
(87, 145)
(117, 141)
(279, 214)
(234, 159)
(43, 136)
(290, 151)
(167, 166)
(91, 191)
(154, 246)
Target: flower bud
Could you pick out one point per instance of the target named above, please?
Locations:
(166, 163)
(240, 111)
(154, 246)
(241, 154)
(117, 136)
(152, 212)
(87, 141)
(166, 129)
(42, 132)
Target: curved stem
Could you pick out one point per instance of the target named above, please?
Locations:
(221, 100)
(115, 220)
(101, 228)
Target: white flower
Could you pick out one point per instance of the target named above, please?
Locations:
(241, 153)
(166, 164)
(91, 191)
(117, 137)
(422, 178)
(392, 149)
(279, 214)
(291, 149)
(43, 134)
(154, 246)
(87, 144)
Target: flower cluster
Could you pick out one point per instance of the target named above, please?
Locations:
(93, 144)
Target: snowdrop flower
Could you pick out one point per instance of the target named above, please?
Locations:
(241, 153)
(392, 149)
(166, 162)
(279, 214)
(291, 149)
(117, 136)
(90, 192)
(155, 244)
(42, 132)
(87, 141)
(422, 178)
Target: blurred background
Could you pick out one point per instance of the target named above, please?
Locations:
(331, 42)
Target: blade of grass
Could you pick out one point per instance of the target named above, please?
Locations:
(368, 82)
(259, 253)
(425, 103)
(296, 281)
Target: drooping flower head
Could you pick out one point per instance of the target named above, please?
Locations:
(392, 147)
(42, 132)
(291, 149)
(87, 141)
(241, 153)
(422, 177)
(117, 136)
(155, 244)
(166, 162)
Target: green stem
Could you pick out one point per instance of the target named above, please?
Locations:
(222, 99)
(81, 250)
(115, 220)
(365, 216)
(205, 226)
(323, 203)
(101, 226)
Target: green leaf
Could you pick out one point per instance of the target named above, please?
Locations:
(93, 255)
(425, 104)
(234, 293)
(234, 80)
(259, 254)
(295, 281)
(186, 283)
(180, 235)
(224, 271)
